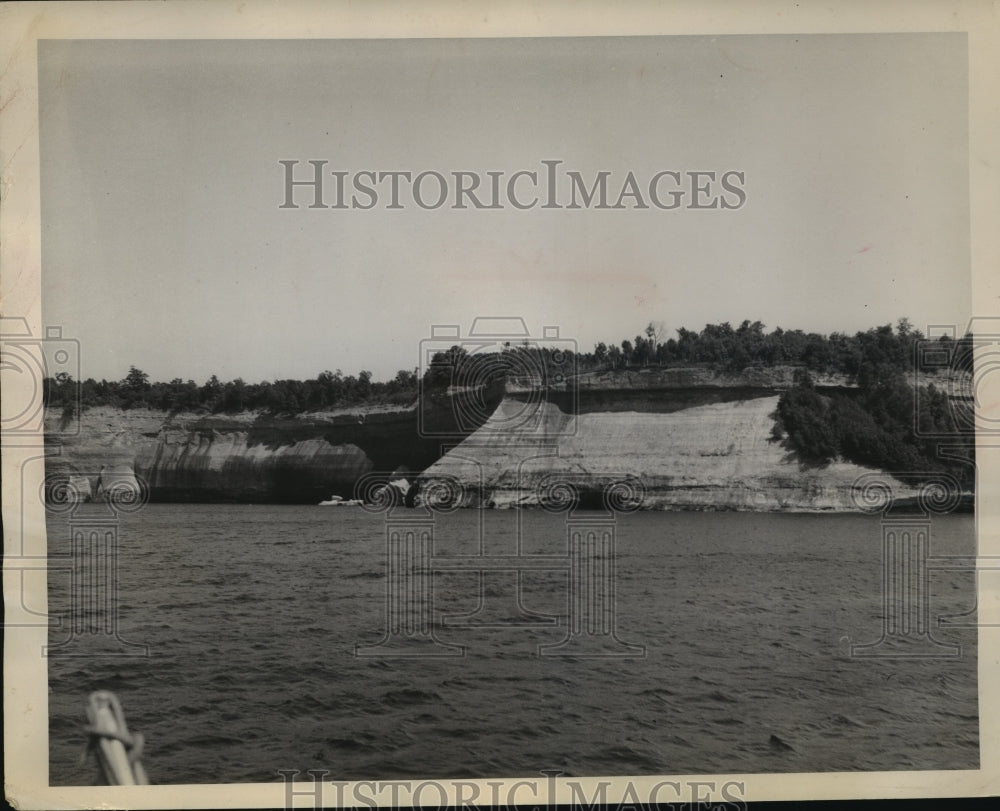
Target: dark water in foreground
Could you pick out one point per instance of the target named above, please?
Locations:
(251, 615)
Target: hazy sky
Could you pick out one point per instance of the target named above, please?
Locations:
(164, 245)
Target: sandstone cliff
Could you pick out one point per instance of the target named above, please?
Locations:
(245, 457)
(687, 438)
(720, 455)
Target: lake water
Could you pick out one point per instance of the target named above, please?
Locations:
(252, 614)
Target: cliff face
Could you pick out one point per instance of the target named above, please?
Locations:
(228, 464)
(96, 451)
(690, 377)
(247, 457)
(682, 438)
(719, 455)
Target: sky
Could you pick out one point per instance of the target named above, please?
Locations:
(164, 244)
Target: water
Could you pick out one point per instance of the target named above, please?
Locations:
(251, 615)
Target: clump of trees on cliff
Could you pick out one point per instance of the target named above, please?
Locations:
(886, 423)
(734, 349)
(864, 357)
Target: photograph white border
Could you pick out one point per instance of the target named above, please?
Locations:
(23, 24)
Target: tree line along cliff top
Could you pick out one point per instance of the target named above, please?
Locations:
(866, 358)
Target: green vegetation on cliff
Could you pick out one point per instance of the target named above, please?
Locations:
(326, 391)
(862, 355)
(886, 424)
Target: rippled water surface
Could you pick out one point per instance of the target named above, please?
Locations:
(251, 615)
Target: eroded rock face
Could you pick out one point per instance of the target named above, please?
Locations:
(679, 438)
(720, 455)
(691, 377)
(244, 458)
(90, 457)
(229, 466)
